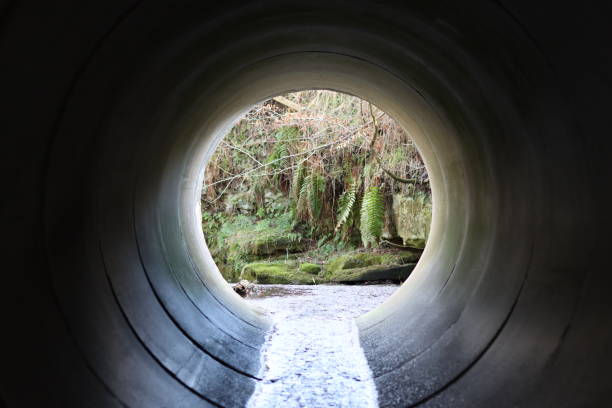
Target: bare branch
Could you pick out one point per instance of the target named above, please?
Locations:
(279, 159)
(393, 176)
(241, 151)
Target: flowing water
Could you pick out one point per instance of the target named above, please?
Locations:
(312, 356)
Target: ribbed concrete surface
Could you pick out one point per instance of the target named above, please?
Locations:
(110, 109)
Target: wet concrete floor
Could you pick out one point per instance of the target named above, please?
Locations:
(312, 356)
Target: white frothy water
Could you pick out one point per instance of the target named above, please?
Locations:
(312, 357)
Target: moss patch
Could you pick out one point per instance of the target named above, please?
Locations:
(352, 268)
(242, 239)
(269, 244)
(412, 218)
(310, 268)
(364, 259)
(277, 273)
(400, 258)
(395, 273)
(415, 242)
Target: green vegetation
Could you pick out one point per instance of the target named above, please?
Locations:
(351, 267)
(353, 260)
(394, 273)
(278, 272)
(310, 268)
(310, 177)
(237, 240)
(372, 216)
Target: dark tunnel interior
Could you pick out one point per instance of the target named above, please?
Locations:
(110, 297)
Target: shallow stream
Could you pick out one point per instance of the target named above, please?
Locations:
(312, 356)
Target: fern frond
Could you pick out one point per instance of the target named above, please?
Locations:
(372, 216)
(302, 198)
(278, 158)
(297, 181)
(315, 190)
(346, 202)
(281, 152)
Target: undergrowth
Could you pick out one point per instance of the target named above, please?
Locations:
(333, 175)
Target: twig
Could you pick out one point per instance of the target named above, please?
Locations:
(257, 175)
(375, 134)
(279, 159)
(393, 176)
(241, 151)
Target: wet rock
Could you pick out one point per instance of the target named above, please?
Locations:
(244, 288)
(240, 289)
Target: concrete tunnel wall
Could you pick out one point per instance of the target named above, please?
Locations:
(110, 110)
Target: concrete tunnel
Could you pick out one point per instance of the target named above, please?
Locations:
(111, 108)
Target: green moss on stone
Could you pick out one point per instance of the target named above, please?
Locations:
(415, 242)
(310, 268)
(349, 268)
(400, 258)
(412, 218)
(364, 259)
(277, 273)
(269, 244)
(395, 273)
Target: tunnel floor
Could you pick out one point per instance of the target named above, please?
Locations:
(312, 356)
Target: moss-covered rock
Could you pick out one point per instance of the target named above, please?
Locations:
(277, 273)
(354, 267)
(270, 244)
(412, 218)
(401, 257)
(365, 259)
(415, 242)
(395, 273)
(242, 239)
(310, 268)
(352, 260)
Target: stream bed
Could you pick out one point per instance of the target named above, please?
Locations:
(312, 356)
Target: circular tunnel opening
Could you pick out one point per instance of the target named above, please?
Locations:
(315, 187)
(336, 77)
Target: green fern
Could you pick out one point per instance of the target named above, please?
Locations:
(372, 216)
(315, 188)
(302, 198)
(346, 203)
(281, 152)
(310, 197)
(278, 158)
(287, 133)
(297, 181)
(347, 169)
